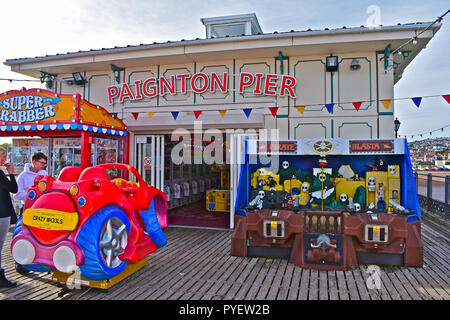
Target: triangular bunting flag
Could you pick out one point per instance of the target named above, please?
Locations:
(135, 115)
(329, 107)
(301, 109)
(274, 111)
(447, 97)
(151, 114)
(197, 114)
(386, 103)
(114, 115)
(222, 113)
(247, 112)
(357, 105)
(417, 101)
(175, 115)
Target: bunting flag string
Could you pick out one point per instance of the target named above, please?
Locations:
(329, 107)
(417, 101)
(446, 97)
(300, 108)
(386, 103)
(274, 111)
(197, 114)
(357, 105)
(175, 115)
(223, 113)
(422, 133)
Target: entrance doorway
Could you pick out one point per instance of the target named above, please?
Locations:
(150, 159)
(199, 193)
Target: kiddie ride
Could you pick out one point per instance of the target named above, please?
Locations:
(331, 205)
(87, 229)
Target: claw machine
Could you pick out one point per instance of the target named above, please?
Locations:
(70, 130)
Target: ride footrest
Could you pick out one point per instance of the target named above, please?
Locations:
(74, 280)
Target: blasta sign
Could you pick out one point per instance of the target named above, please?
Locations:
(263, 84)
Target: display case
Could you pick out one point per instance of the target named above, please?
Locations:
(22, 149)
(342, 203)
(65, 152)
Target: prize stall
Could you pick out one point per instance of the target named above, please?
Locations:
(68, 129)
(328, 204)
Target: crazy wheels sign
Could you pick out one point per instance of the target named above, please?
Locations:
(34, 106)
(258, 84)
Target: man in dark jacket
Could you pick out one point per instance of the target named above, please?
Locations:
(6, 208)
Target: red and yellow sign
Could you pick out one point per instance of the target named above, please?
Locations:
(31, 109)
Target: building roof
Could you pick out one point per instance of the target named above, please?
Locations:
(317, 41)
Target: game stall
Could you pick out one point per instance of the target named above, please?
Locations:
(328, 204)
(70, 130)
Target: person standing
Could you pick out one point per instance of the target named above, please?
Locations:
(25, 181)
(7, 186)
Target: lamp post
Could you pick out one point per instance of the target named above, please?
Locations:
(396, 127)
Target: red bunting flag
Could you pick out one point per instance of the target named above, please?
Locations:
(357, 105)
(274, 111)
(135, 115)
(197, 114)
(447, 97)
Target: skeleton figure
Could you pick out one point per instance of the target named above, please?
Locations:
(371, 184)
(258, 200)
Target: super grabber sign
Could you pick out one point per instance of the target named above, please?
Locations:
(261, 83)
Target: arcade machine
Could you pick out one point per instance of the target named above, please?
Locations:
(219, 199)
(329, 204)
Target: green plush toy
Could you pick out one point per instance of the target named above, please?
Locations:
(360, 196)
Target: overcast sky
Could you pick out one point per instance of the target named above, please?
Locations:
(31, 28)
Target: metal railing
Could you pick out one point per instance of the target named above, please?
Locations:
(434, 193)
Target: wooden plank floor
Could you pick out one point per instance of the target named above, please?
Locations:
(196, 264)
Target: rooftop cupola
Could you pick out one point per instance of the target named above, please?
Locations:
(236, 25)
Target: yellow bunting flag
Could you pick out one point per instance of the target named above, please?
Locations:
(386, 103)
(222, 113)
(151, 114)
(301, 109)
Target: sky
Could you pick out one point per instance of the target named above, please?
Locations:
(33, 28)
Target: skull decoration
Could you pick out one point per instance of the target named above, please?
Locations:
(322, 177)
(261, 171)
(343, 197)
(392, 170)
(305, 187)
(261, 194)
(371, 184)
(357, 207)
(285, 164)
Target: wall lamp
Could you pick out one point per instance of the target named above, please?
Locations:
(331, 63)
(78, 78)
(396, 127)
(355, 65)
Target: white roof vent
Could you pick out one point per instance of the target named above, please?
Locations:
(237, 25)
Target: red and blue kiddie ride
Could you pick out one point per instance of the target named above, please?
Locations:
(84, 222)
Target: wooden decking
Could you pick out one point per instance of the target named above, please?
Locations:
(196, 264)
